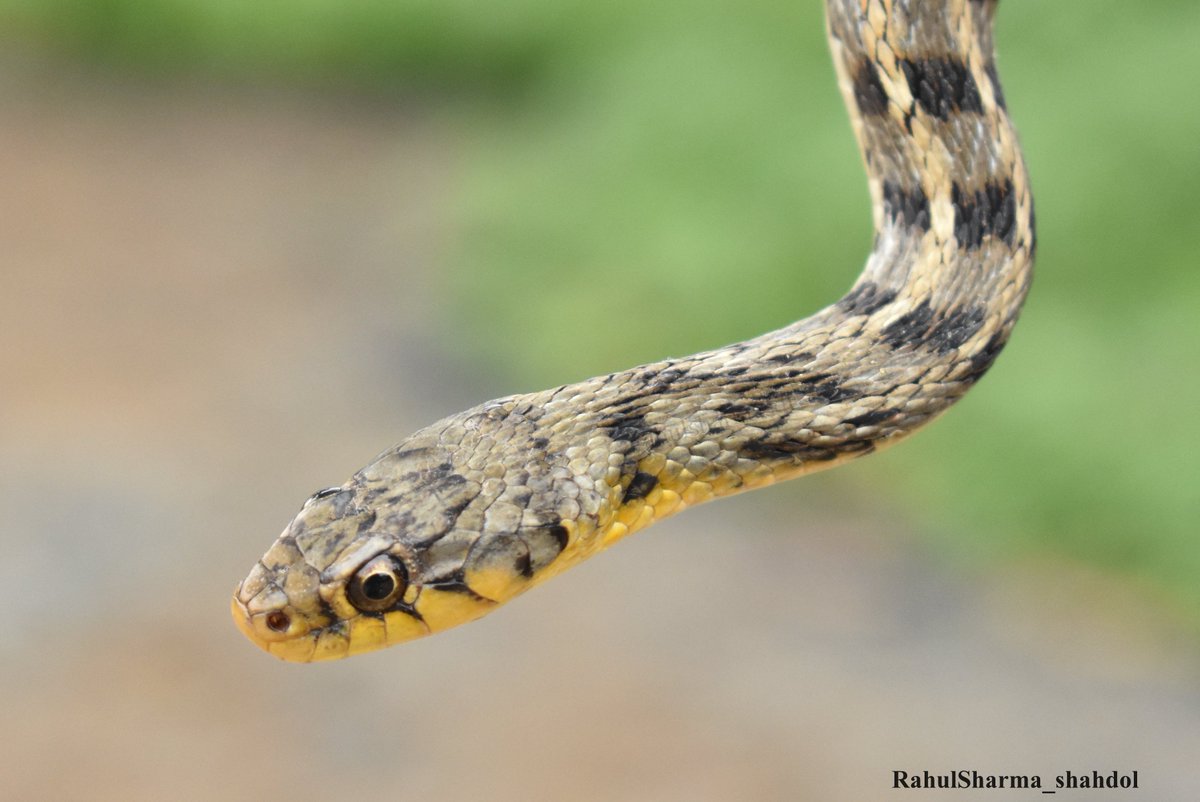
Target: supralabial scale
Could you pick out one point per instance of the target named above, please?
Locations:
(483, 505)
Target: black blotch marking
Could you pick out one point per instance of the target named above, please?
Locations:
(401, 606)
(956, 328)
(1032, 230)
(450, 584)
(560, 533)
(792, 451)
(910, 328)
(543, 545)
(787, 359)
(871, 418)
(539, 519)
(994, 77)
(367, 521)
(452, 511)
(425, 475)
(785, 390)
(631, 427)
(788, 450)
(990, 211)
(504, 551)
(984, 358)
(624, 416)
(942, 86)
(640, 486)
(741, 410)
(519, 497)
(866, 299)
(907, 207)
(635, 399)
(868, 91)
(628, 426)
(829, 392)
(666, 379)
(326, 611)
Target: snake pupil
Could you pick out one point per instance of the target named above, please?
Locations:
(378, 587)
(278, 621)
(378, 584)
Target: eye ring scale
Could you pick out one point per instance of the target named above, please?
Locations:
(378, 585)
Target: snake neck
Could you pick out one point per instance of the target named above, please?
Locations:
(951, 264)
(941, 290)
(936, 302)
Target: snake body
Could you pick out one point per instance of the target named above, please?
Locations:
(469, 512)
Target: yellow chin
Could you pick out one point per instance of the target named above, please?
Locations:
(443, 609)
(362, 634)
(297, 646)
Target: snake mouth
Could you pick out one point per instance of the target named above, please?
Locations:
(301, 643)
(245, 623)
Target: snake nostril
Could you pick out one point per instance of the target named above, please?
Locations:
(278, 621)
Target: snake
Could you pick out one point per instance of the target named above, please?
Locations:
(473, 510)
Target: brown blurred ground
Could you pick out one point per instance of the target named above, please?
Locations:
(216, 302)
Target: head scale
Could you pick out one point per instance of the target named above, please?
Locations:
(435, 532)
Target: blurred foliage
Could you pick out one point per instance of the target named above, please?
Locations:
(661, 178)
(305, 42)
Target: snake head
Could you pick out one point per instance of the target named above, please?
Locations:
(435, 532)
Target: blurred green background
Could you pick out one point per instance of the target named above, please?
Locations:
(297, 230)
(650, 180)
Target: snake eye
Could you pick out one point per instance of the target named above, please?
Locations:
(378, 584)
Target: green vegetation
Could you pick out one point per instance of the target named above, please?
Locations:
(653, 179)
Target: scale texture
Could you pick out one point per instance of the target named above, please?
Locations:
(480, 506)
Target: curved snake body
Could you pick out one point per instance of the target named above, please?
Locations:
(471, 511)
